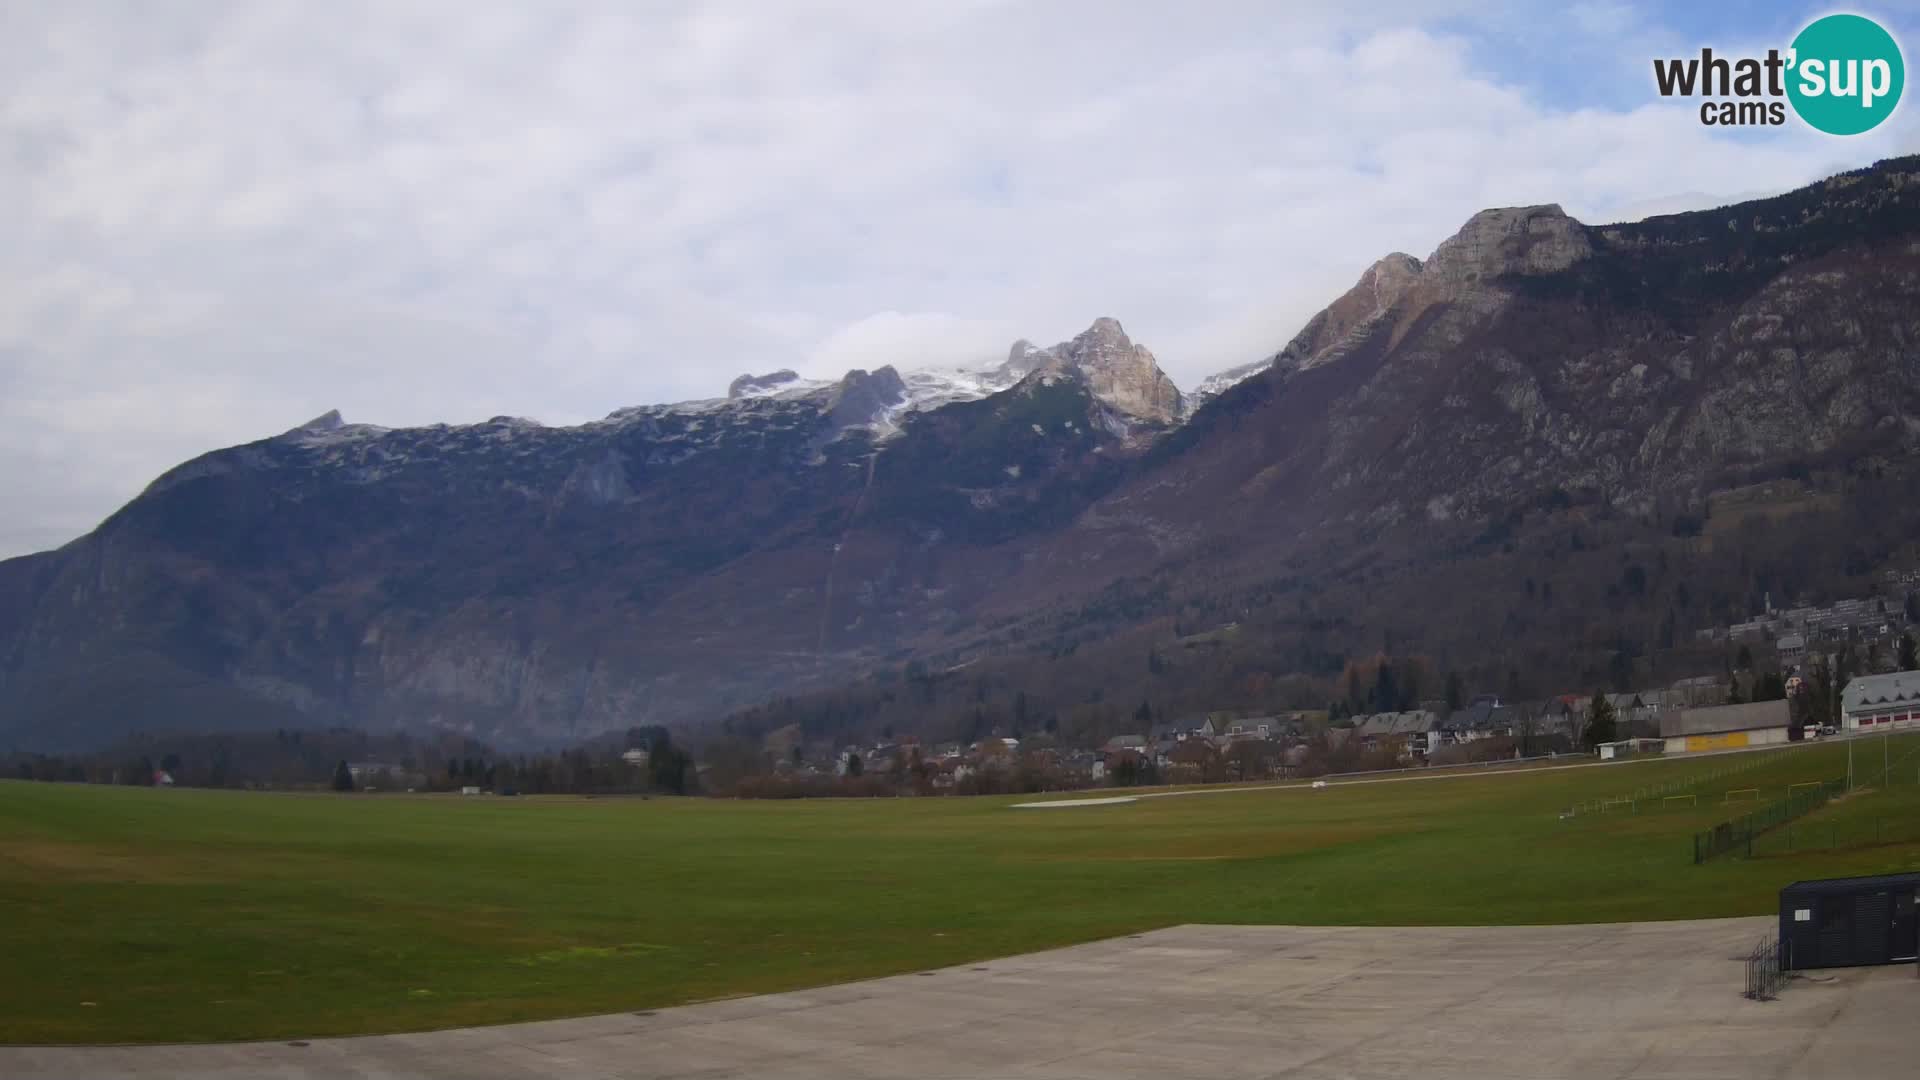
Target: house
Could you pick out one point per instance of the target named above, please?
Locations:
(1162, 738)
(1125, 748)
(1370, 728)
(1199, 753)
(635, 757)
(1083, 763)
(1425, 731)
(1792, 648)
(1881, 702)
(1698, 691)
(884, 757)
(1116, 760)
(1255, 727)
(1414, 730)
(1560, 716)
(1500, 720)
(1643, 720)
(1623, 704)
(1485, 718)
(1725, 727)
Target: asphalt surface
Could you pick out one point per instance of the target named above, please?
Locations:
(1641, 1000)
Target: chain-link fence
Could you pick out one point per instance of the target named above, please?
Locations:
(1739, 834)
(1836, 835)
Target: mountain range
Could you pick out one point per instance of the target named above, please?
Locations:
(1534, 388)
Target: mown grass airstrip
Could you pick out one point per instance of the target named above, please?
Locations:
(156, 915)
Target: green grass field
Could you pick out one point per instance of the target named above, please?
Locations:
(157, 915)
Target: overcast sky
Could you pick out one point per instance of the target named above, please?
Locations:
(219, 220)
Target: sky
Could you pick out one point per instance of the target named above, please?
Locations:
(218, 220)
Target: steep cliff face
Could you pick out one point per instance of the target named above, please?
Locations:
(1500, 243)
(1529, 352)
(502, 578)
(1120, 373)
(1350, 321)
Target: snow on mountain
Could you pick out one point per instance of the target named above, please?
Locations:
(752, 386)
(931, 388)
(885, 406)
(1123, 373)
(1220, 382)
(1119, 372)
(877, 402)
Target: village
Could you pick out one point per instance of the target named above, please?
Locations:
(1789, 674)
(1692, 715)
(1222, 748)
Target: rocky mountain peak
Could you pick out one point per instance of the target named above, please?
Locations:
(750, 384)
(1355, 316)
(862, 397)
(325, 424)
(1512, 240)
(1117, 371)
(1389, 278)
(1121, 373)
(326, 421)
(1022, 359)
(1396, 288)
(1105, 333)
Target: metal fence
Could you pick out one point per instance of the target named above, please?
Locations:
(1767, 970)
(1738, 834)
(1837, 835)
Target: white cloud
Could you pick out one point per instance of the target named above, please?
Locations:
(217, 220)
(907, 341)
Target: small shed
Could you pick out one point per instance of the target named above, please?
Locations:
(1849, 922)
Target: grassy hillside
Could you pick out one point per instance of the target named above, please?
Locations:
(156, 915)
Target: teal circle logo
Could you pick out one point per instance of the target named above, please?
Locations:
(1846, 74)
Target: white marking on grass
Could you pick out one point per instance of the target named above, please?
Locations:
(1115, 801)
